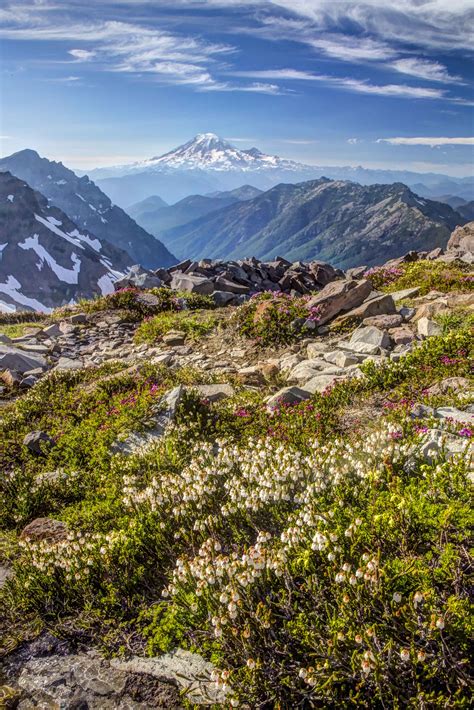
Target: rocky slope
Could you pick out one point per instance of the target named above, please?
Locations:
(341, 222)
(45, 259)
(87, 206)
(258, 501)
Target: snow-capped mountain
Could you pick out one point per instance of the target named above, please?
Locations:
(207, 151)
(45, 259)
(208, 163)
(87, 206)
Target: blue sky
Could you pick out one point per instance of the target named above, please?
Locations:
(330, 82)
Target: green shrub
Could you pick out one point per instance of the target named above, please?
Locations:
(193, 325)
(457, 319)
(275, 318)
(430, 276)
(128, 299)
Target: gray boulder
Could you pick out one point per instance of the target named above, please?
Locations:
(14, 359)
(138, 277)
(339, 297)
(371, 335)
(191, 283)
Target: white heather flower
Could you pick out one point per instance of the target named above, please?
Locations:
(440, 623)
(358, 638)
(421, 656)
(366, 667)
(405, 654)
(417, 598)
(250, 663)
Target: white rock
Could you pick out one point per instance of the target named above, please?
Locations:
(427, 327)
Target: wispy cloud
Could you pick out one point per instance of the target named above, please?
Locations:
(427, 140)
(424, 69)
(353, 141)
(359, 86)
(126, 47)
(255, 88)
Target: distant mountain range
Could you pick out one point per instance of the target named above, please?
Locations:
(46, 260)
(88, 207)
(337, 221)
(463, 207)
(154, 215)
(208, 163)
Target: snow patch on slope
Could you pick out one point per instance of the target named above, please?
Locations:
(12, 288)
(106, 284)
(68, 276)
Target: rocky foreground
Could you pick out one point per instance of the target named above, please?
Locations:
(211, 497)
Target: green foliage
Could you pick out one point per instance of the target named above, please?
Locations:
(456, 319)
(436, 358)
(316, 564)
(428, 276)
(128, 299)
(16, 330)
(275, 318)
(193, 325)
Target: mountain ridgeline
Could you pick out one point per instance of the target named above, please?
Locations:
(209, 163)
(337, 221)
(87, 206)
(45, 259)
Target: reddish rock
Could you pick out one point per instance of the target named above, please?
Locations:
(339, 297)
(46, 529)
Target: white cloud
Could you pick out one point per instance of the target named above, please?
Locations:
(82, 55)
(256, 87)
(353, 141)
(397, 90)
(430, 23)
(424, 69)
(359, 86)
(429, 141)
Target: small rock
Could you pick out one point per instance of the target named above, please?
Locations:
(402, 336)
(320, 383)
(66, 363)
(78, 318)
(174, 337)
(10, 378)
(191, 283)
(214, 393)
(38, 442)
(341, 358)
(428, 328)
(407, 313)
(370, 335)
(450, 384)
(384, 321)
(46, 529)
(222, 298)
(28, 382)
(287, 395)
(455, 415)
(405, 294)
